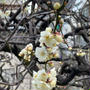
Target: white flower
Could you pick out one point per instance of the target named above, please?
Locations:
(47, 38)
(42, 75)
(41, 53)
(39, 80)
(50, 39)
(51, 43)
(43, 80)
(48, 42)
(45, 34)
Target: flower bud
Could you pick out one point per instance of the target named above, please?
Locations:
(69, 48)
(60, 62)
(27, 58)
(61, 21)
(21, 54)
(59, 17)
(57, 5)
(51, 64)
(29, 48)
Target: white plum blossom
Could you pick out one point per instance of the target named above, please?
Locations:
(49, 42)
(54, 52)
(40, 75)
(44, 54)
(49, 38)
(41, 53)
(46, 34)
(44, 80)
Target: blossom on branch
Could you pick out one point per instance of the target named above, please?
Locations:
(44, 80)
(26, 52)
(41, 53)
(49, 38)
(48, 42)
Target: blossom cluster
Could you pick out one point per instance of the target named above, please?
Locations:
(44, 80)
(48, 42)
(26, 52)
